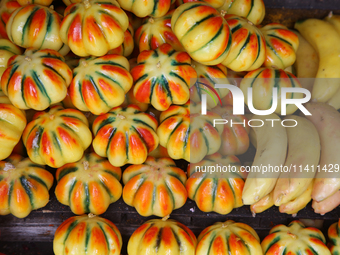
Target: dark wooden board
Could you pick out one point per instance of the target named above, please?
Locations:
(288, 17)
(303, 4)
